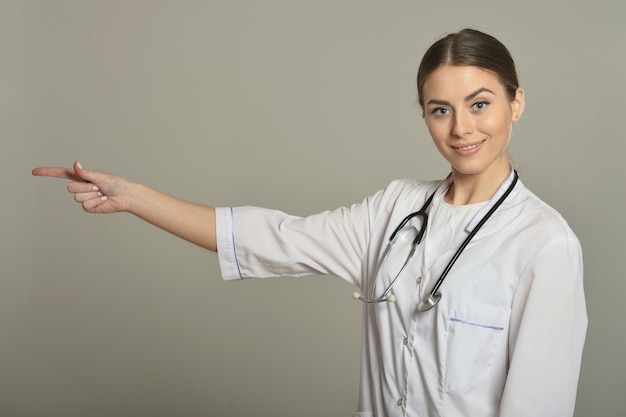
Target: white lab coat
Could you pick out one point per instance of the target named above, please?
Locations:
(506, 338)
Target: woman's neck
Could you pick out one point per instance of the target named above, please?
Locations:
(475, 188)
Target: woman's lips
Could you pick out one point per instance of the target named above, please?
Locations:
(467, 149)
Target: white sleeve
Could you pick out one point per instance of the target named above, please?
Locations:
(548, 327)
(257, 242)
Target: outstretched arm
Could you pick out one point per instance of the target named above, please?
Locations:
(101, 192)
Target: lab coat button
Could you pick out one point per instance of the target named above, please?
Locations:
(400, 402)
(405, 341)
(419, 280)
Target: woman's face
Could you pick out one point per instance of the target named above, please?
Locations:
(469, 116)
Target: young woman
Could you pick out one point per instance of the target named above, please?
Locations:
(485, 317)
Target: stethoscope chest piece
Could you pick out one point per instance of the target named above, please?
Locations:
(429, 302)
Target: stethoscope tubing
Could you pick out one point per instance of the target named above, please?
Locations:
(473, 233)
(432, 299)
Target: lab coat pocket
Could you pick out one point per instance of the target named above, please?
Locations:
(475, 332)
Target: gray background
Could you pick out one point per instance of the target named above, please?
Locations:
(296, 105)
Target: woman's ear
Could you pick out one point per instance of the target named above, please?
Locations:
(517, 105)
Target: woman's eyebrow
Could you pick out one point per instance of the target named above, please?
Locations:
(467, 98)
(477, 92)
(438, 102)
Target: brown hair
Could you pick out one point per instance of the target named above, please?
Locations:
(469, 47)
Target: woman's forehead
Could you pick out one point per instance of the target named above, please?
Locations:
(458, 81)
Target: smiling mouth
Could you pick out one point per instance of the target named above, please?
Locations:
(468, 147)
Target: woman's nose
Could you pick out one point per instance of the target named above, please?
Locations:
(463, 124)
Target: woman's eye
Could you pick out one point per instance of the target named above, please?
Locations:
(480, 105)
(440, 111)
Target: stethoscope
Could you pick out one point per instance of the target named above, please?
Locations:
(434, 297)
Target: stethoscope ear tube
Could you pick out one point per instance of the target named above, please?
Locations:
(390, 298)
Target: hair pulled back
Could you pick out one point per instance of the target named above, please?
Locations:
(473, 48)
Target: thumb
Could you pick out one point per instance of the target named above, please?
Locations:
(107, 183)
(84, 174)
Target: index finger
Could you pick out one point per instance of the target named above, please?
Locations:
(57, 172)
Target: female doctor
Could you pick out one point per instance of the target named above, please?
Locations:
(473, 306)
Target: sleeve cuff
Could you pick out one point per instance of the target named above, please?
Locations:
(226, 250)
